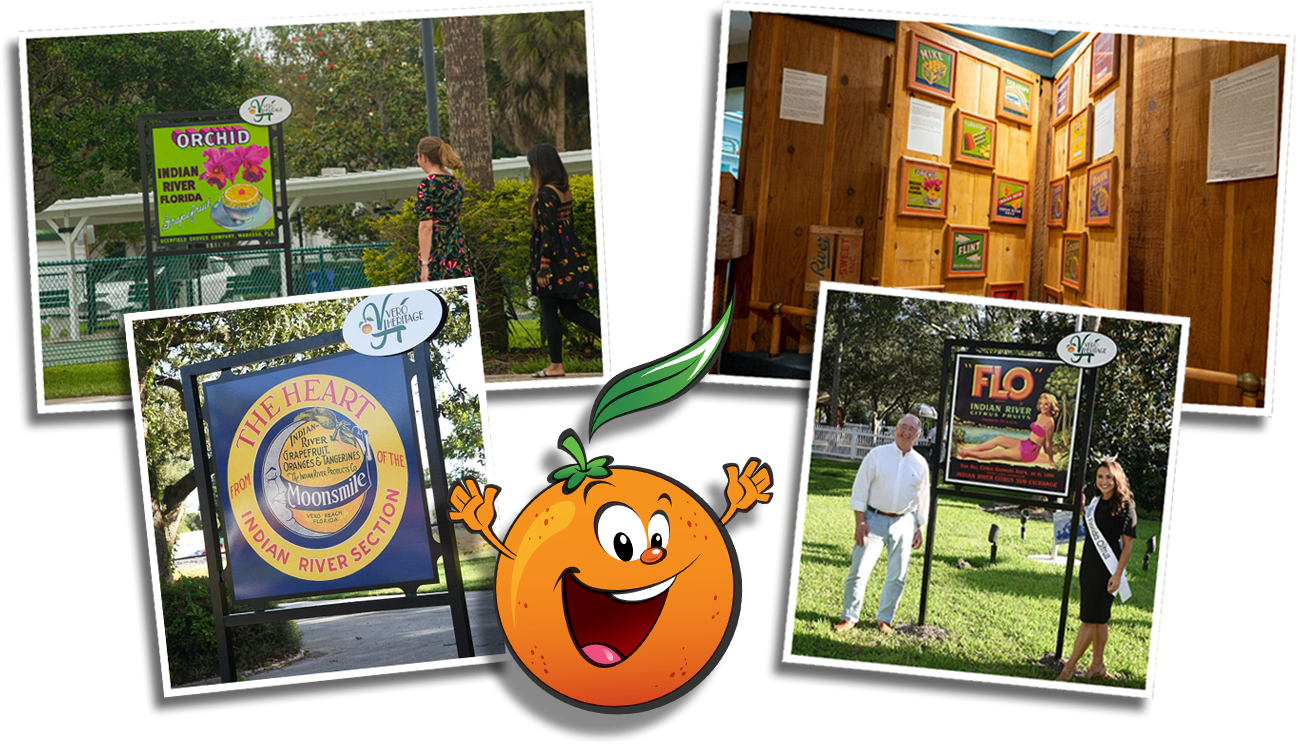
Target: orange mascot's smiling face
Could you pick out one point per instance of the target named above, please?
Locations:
(624, 593)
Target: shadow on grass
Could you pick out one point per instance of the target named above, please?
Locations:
(1004, 580)
(827, 554)
(864, 643)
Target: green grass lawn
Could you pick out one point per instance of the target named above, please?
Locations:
(88, 379)
(999, 619)
(524, 333)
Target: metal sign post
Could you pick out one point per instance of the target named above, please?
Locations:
(1022, 497)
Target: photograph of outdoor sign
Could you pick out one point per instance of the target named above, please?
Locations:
(218, 165)
(332, 426)
(1011, 433)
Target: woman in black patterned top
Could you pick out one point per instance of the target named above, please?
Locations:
(442, 251)
(561, 274)
(1114, 516)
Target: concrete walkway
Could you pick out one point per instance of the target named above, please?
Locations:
(538, 381)
(380, 639)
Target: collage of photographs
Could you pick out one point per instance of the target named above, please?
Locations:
(894, 332)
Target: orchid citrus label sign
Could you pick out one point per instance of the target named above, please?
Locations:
(319, 487)
(213, 182)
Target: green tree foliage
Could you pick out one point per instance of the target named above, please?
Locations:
(86, 92)
(191, 634)
(496, 224)
(1135, 405)
(164, 345)
(542, 88)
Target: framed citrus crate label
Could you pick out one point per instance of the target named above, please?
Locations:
(974, 140)
(966, 252)
(1063, 97)
(1015, 99)
(931, 68)
(1056, 215)
(1008, 200)
(925, 189)
(1053, 295)
(1074, 258)
(1100, 193)
(1103, 62)
(1006, 290)
(1078, 139)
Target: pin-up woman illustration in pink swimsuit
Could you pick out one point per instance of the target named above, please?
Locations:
(1004, 447)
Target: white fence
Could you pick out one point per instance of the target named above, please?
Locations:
(851, 441)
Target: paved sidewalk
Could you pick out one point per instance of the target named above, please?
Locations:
(538, 381)
(402, 637)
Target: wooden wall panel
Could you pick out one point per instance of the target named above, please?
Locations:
(1149, 164)
(1251, 248)
(1200, 250)
(912, 247)
(796, 174)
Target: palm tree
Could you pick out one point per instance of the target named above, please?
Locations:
(542, 60)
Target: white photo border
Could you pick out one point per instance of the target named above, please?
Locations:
(809, 433)
(44, 407)
(1285, 136)
(155, 581)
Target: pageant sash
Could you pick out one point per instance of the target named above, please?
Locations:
(1105, 550)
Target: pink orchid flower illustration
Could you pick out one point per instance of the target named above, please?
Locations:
(222, 166)
(252, 157)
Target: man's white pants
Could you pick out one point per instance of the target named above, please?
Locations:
(897, 534)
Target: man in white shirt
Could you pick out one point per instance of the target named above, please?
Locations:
(890, 501)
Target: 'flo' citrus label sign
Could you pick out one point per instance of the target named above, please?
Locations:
(318, 475)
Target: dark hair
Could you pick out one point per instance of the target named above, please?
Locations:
(547, 169)
(437, 150)
(1122, 490)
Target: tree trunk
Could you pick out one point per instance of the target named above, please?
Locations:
(560, 115)
(166, 529)
(470, 123)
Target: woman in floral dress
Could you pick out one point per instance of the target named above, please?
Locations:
(561, 274)
(442, 251)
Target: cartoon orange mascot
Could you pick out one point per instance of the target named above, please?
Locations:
(618, 588)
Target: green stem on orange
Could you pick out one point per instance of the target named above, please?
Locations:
(568, 441)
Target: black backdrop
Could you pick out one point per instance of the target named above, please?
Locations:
(77, 562)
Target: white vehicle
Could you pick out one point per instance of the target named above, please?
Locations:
(123, 289)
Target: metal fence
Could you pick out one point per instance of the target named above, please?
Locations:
(81, 303)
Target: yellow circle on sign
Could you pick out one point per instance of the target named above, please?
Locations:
(376, 528)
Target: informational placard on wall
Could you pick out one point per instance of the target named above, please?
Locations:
(1243, 129)
(1105, 125)
(1012, 423)
(802, 97)
(213, 183)
(319, 477)
(927, 130)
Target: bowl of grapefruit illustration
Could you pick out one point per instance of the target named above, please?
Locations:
(241, 201)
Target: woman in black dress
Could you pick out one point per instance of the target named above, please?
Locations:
(1114, 515)
(443, 254)
(561, 274)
